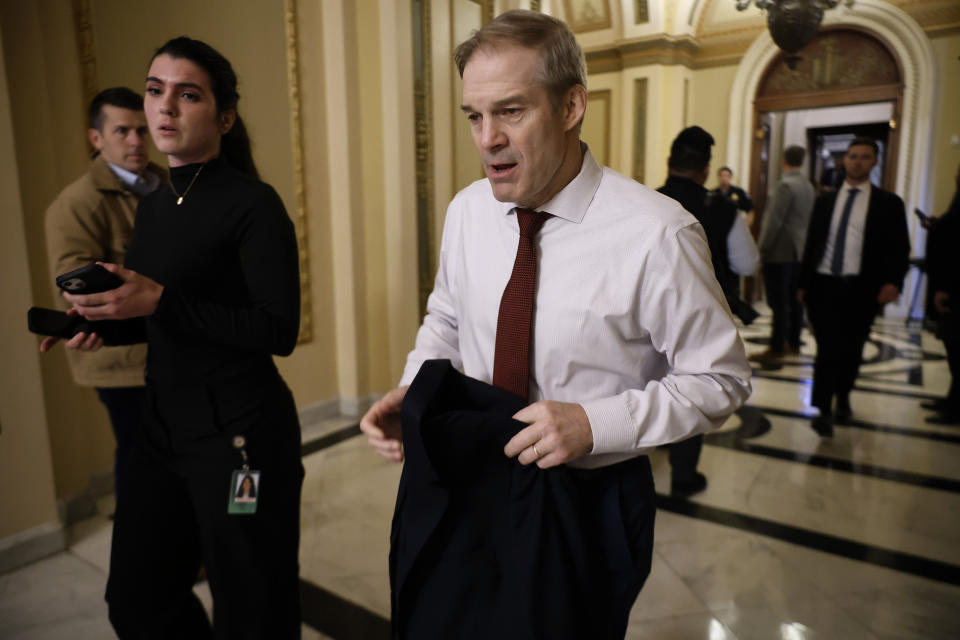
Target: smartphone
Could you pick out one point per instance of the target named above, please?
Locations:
(89, 279)
(920, 214)
(49, 322)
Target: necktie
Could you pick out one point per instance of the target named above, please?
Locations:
(836, 265)
(511, 358)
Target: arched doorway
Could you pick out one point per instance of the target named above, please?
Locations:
(841, 66)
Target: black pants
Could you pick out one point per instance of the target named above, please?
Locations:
(684, 457)
(172, 517)
(125, 408)
(952, 345)
(841, 313)
(948, 330)
(781, 280)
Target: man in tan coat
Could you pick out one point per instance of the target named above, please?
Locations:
(91, 220)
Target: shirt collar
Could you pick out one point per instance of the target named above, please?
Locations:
(140, 184)
(128, 178)
(863, 187)
(572, 201)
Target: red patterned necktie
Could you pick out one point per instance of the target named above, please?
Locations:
(511, 358)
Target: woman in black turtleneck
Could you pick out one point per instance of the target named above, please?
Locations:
(211, 281)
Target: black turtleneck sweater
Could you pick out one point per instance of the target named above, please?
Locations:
(227, 258)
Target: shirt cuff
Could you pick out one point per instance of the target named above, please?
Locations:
(612, 425)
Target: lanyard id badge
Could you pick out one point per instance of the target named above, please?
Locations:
(244, 484)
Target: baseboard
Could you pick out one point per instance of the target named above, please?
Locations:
(357, 406)
(82, 505)
(317, 411)
(336, 407)
(31, 545)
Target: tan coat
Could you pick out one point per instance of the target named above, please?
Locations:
(92, 219)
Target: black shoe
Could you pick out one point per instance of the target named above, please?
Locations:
(688, 488)
(823, 425)
(844, 412)
(950, 418)
(938, 404)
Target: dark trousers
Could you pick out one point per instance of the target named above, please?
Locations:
(125, 408)
(172, 517)
(684, 457)
(781, 280)
(841, 311)
(953, 362)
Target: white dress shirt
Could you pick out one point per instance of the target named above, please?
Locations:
(742, 251)
(853, 247)
(139, 184)
(629, 319)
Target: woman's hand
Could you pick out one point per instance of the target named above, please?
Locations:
(137, 296)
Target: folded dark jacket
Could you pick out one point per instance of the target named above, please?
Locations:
(484, 547)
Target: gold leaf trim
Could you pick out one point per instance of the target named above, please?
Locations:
(299, 190)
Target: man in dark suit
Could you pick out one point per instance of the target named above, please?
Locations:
(854, 262)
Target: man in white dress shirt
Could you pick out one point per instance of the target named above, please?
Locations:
(632, 345)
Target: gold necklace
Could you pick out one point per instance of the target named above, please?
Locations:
(187, 190)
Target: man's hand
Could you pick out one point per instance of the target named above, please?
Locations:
(560, 431)
(888, 293)
(382, 425)
(941, 300)
(80, 341)
(137, 296)
(801, 294)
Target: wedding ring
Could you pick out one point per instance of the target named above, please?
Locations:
(535, 452)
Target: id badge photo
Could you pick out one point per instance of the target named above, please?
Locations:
(244, 487)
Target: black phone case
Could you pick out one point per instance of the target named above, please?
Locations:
(49, 322)
(91, 278)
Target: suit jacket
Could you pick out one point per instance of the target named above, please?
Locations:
(886, 241)
(783, 232)
(484, 547)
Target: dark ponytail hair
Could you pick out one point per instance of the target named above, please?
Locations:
(235, 144)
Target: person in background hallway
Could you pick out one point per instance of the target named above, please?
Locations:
(943, 267)
(854, 262)
(733, 193)
(212, 285)
(733, 252)
(613, 369)
(91, 220)
(783, 233)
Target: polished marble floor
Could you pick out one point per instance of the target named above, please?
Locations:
(796, 537)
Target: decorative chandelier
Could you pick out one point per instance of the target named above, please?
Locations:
(793, 23)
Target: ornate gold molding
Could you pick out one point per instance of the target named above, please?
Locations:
(605, 98)
(660, 50)
(591, 17)
(299, 190)
(640, 129)
(87, 51)
(641, 12)
(423, 108)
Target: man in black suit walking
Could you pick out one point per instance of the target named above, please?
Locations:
(854, 262)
